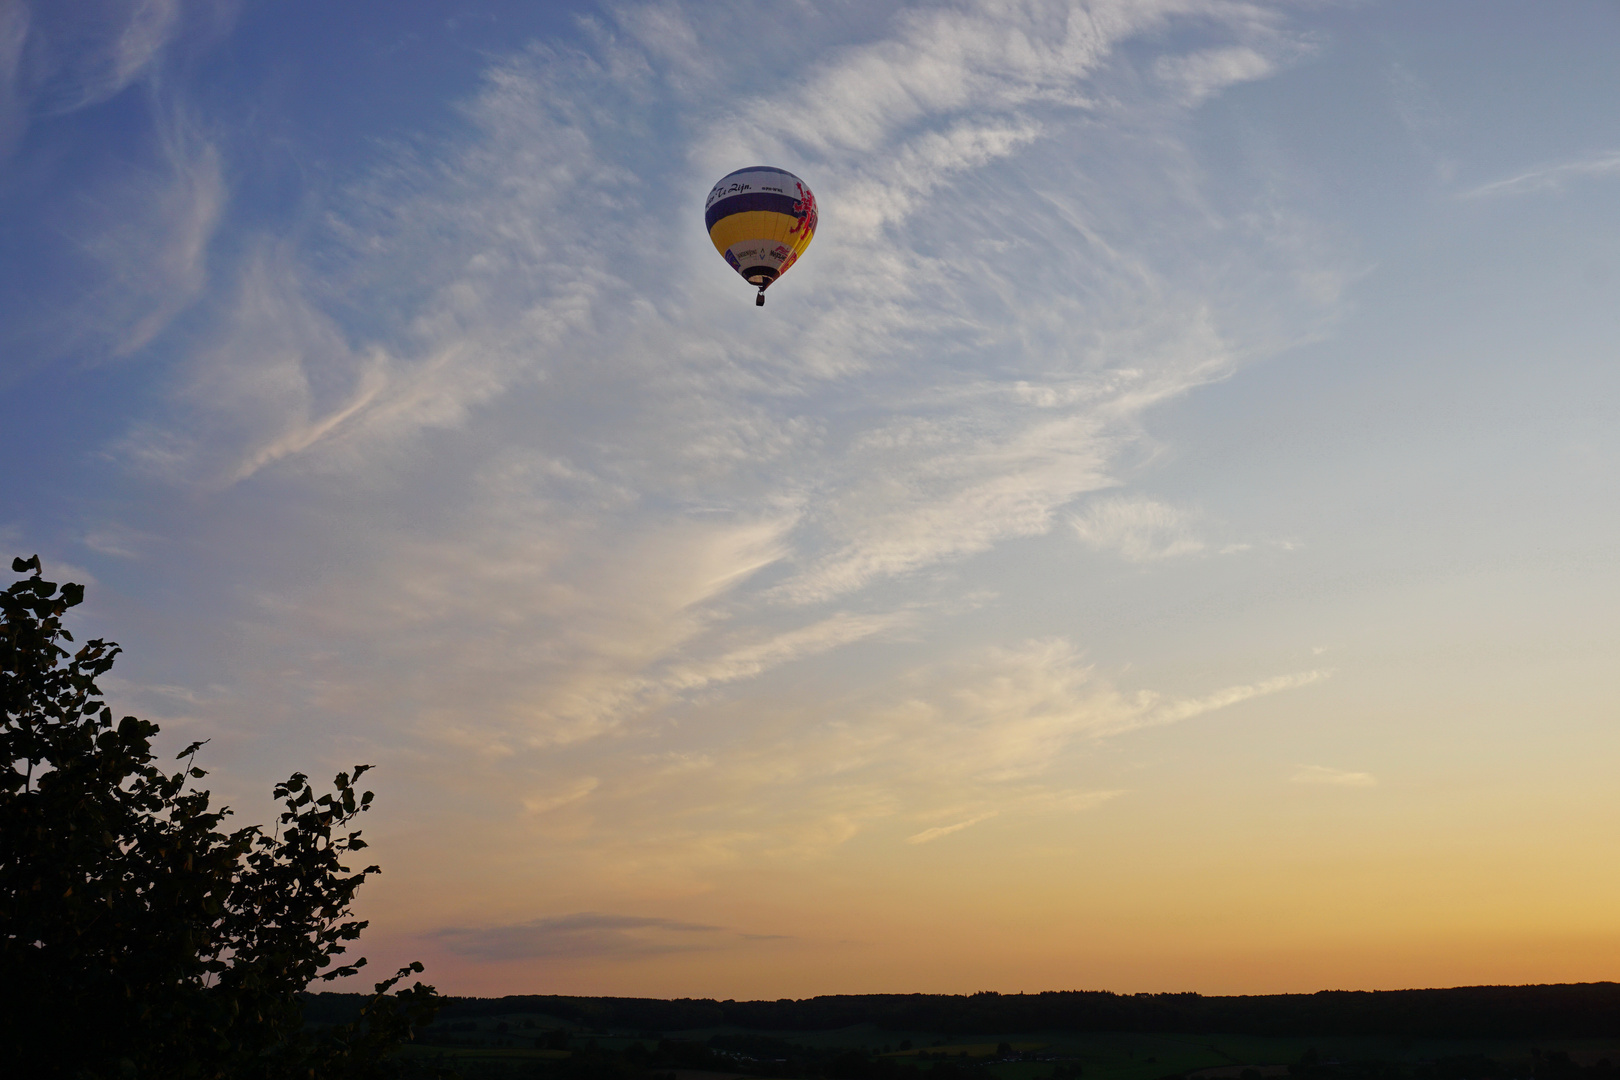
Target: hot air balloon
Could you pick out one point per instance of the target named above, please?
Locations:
(761, 219)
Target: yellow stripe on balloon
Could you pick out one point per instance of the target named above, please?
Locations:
(754, 225)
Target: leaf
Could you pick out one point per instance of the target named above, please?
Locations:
(192, 749)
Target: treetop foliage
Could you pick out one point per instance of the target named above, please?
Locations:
(137, 938)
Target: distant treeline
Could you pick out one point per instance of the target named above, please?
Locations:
(1572, 1010)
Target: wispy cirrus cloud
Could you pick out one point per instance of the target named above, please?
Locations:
(56, 60)
(1202, 74)
(1028, 702)
(14, 20)
(543, 802)
(1002, 735)
(930, 835)
(1321, 775)
(842, 629)
(1552, 177)
(1138, 528)
(124, 250)
(153, 245)
(1029, 803)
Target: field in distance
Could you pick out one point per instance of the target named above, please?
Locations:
(540, 1045)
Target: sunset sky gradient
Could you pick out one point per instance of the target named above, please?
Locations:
(1163, 535)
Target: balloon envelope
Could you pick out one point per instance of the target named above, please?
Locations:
(761, 219)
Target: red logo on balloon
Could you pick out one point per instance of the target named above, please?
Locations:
(804, 208)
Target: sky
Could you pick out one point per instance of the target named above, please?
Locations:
(1162, 536)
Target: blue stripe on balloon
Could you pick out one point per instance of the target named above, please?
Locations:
(744, 201)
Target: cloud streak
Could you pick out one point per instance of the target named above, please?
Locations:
(1322, 776)
(1003, 735)
(122, 251)
(1549, 177)
(55, 60)
(930, 835)
(1139, 529)
(587, 935)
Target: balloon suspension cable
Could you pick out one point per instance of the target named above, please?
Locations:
(759, 301)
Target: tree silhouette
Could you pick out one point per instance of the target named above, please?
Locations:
(137, 939)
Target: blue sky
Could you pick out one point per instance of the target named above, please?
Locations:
(1160, 536)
